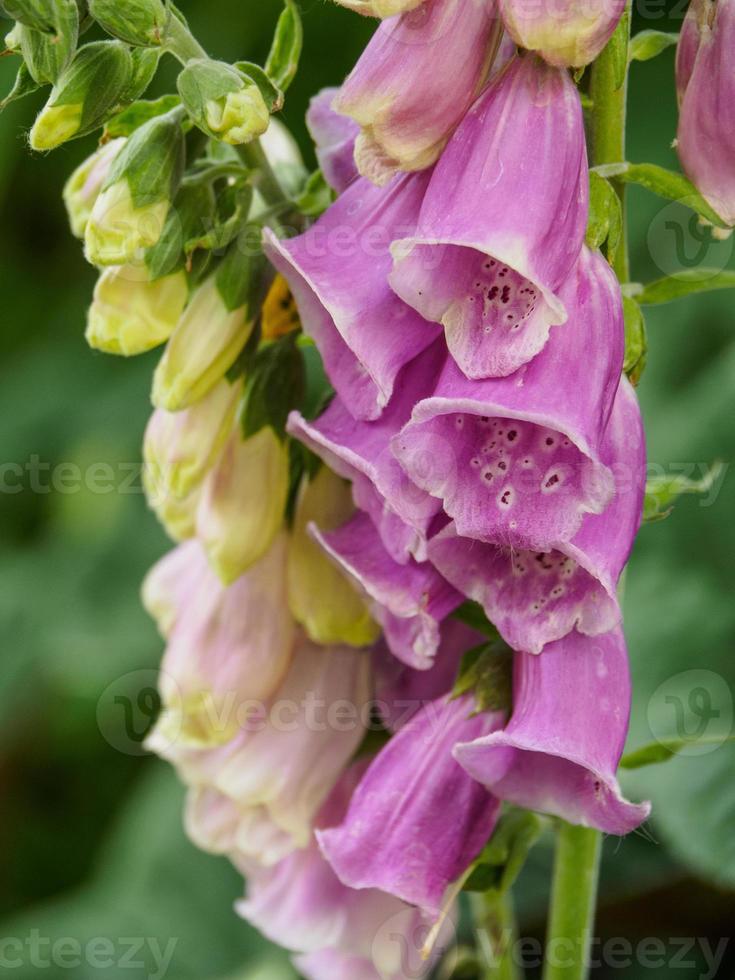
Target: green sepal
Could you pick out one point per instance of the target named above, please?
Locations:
(663, 491)
(605, 222)
(486, 672)
(274, 386)
(685, 283)
(152, 160)
(134, 116)
(648, 44)
(636, 340)
(49, 54)
(145, 65)
(316, 196)
(138, 22)
(38, 14)
(272, 95)
(193, 208)
(242, 278)
(220, 231)
(473, 615)
(24, 85)
(666, 183)
(667, 748)
(283, 60)
(498, 866)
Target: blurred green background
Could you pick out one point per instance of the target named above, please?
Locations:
(92, 846)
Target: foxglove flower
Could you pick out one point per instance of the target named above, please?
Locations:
(415, 81)
(321, 596)
(534, 598)
(83, 187)
(561, 748)
(566, 33)
(516, 460)
(338, 272)
(360, 452)
(169, 584)
(409, 601)
(396, 836)
(334, 136)
(706, 135)
(502, 223)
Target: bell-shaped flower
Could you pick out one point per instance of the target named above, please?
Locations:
(566, 33)
(706, 134)
(536, 597)
(130, 314)
(83, 187)
(321, 597)
(244, 502)
(560, 750)
(515, 460)
(334, 136)
(396, 836)
(360, 452)
(502, 222)
(415, 81)
(409, 601)
(169, 584)
(338, 273)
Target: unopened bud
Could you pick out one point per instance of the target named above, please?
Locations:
(177, 515)
(224, 103)
(140, 22)
(570, 34)
(83, 187)
(380, 8)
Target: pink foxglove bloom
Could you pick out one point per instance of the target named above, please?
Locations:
(516, 460)
(338, 274)
(706, 135)
(415, 81)
(537, 597)
(561, 749)
(409, 601)
(361, 452)
(334, 136)
(503, 221)
(397, 835)
(566, 33)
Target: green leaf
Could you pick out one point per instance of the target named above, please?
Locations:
(473, 615)
(274, 386)
(618, 47)
(685, 283)
(636, 340)
(316, 196)
(272, 95)
(606, 215)
(666, 183)
(657, 752)
(487, 672)
(663, 491)
(193, 208)
(242, 275)
(283, 60)
(24, 85)
(126, 122)
(502, 860)
(647, 44)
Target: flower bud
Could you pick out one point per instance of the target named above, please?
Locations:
(206, 343)
(130, 213)
(86, 94)
(566, 33)
(83, 187)
(180, 448)
(47, 34)
(243, 502)
(320, 596)
(130, 314)
(135, 21)
(224, 103)
(380, 8)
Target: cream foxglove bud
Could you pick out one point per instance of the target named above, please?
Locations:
(136, 21)
(380, 8)
(243, 502)
(178, 516)
(130, 314)
(566, 33)
(83, 187)
(205, 344)
(85, 95)
(130, 213)
(224, 103)
(320, 596)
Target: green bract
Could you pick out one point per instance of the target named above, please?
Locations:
(224, 103)
(140, 22)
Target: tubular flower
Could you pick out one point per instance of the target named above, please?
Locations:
(534, 598)
(334, 136)
(338, 273)
(502, 223)
(415, 81)
(561, 749)
(706, 82)
(566, 33)
(515, 461)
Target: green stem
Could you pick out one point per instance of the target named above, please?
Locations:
(573, 901)
(181, 42)
(609, 104)
(254, 157)
(495, 916)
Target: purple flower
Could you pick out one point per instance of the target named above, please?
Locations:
(503, 221)
(416, 79)
(534, 598)
(409, 601)
(338, 273)
(561, 748)
(397, 836)
(706, 82)
(515, 460)
(334, 136)
(567, 33)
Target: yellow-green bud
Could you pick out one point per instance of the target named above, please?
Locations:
(118, 231)
(243, 502)
(206, 343)
(223, 102)
(139, 22)
(55, 125)
(83, 187)
(130, 314)
(321, 598)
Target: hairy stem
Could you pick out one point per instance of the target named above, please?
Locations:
(181, 42)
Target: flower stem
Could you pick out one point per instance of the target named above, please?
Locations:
(495, 916)
(181, 42)
(573, 900)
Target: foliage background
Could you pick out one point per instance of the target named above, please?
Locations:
(92, 845)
